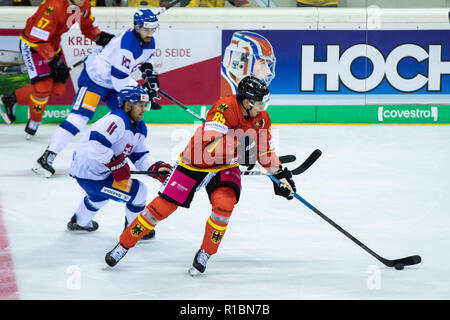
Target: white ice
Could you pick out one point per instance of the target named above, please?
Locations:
(388, 185)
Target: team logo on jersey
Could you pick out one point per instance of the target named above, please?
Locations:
(49, 10)
(137, 230)
(126, 62)
(223, 107)
(216, 236)
(259, 123)
(127, 150)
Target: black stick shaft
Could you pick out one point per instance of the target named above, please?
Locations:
(182, 106)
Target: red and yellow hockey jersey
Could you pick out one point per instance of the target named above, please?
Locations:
(212, 148)
(53, 18)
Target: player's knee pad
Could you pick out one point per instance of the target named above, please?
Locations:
(223, 200)
(138, 202)
(93, 205)
(158, 210)
(43, 88)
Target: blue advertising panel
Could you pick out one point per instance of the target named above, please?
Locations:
(393, 64)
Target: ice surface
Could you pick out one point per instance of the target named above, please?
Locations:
(388, 185)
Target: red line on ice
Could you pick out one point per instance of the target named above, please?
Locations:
(8, 285)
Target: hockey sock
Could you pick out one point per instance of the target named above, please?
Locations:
(138, 228)
(223, 200)
(37, 107)
(70, 127)
(87, 210)
(146, 221)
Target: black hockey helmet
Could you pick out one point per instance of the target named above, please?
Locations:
(252, 88)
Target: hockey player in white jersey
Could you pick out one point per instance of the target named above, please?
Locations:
(99, 163)
(105, 73)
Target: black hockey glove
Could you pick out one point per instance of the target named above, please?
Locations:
(286, 188)
(150, 76)
(153, 95)
(103, 38)
(58, 69)
(247, 153)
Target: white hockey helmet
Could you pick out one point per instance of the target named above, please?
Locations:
(245, 51)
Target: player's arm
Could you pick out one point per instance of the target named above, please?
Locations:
(266, 155)
(268, 159)
(142, 160)
(121, 70)
(89, 28)
(103, 137)
(88, 25)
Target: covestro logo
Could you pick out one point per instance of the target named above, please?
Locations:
(406, 114)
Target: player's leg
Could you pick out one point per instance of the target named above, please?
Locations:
(132, 192)
(83, 109)
(224, 191)
(168, 200)
(82, 220)
(135, 206)
(223, 202)
(38, 70)
(37, 103)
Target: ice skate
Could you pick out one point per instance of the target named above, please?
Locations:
(31, 128)
(115, 255)
(199, 263)
(44, 164)
(72, 225)
(9, 103)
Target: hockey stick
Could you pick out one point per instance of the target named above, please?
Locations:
(164, 9)
(76, 64)
(397, 263)
(182, 106)
(283, 159)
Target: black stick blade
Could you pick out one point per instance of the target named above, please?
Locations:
(408, 261)
(308, 162)
(287, 158)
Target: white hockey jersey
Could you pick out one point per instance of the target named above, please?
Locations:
(111, 66)
(110, 136)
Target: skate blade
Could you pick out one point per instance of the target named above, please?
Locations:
(41, 171)
(193, 272)
(4, 116)
(28, 136)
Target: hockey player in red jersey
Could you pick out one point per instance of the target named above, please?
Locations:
(41, 51)
(236, 132)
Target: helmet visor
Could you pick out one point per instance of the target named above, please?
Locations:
(264, 68)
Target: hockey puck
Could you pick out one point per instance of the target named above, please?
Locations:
(399, 266)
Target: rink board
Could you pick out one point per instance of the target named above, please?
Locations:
(279, 114)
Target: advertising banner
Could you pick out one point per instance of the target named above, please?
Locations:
(358, 66)
(316, 74)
